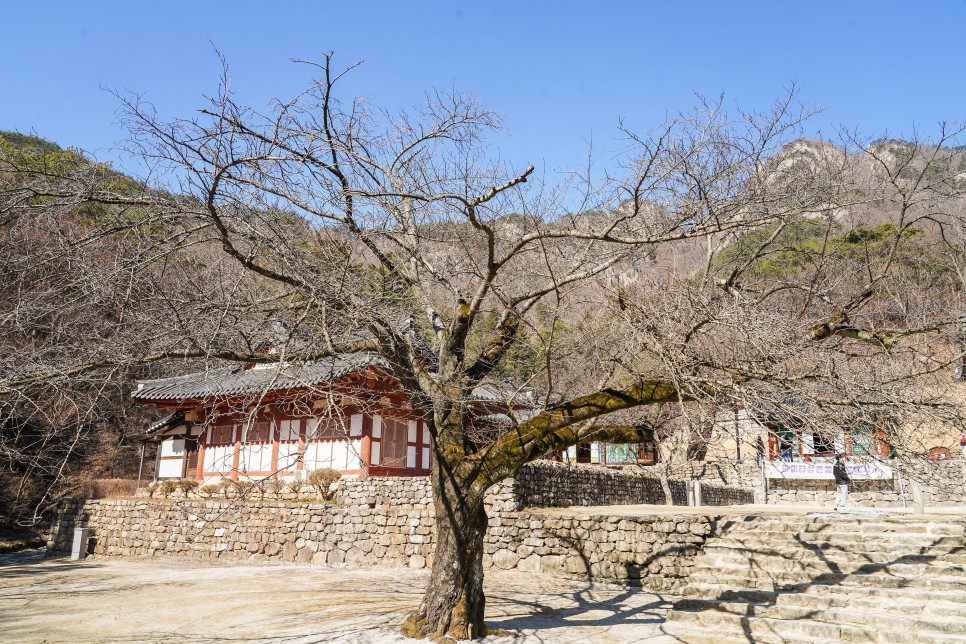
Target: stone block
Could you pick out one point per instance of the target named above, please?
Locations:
(504, 559)
(417, 561)
(335, 557)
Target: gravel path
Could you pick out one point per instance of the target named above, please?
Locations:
(181, 600)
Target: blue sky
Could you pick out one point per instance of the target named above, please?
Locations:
(560, 72)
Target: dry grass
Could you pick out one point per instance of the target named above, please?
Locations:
(108, 488)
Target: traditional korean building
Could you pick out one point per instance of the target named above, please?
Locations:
(348, 413)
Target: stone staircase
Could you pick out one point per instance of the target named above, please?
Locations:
(821, 578)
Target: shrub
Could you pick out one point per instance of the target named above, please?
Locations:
(209, 490)
(152, 488)
(275, 487)
(167, 487)
(322, 481)
(228, 486)
(243, 488)
(187, 486)
(296, 486)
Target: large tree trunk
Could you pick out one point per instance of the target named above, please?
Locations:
(454, 602)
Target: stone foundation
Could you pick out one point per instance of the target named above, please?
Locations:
(548, 484)
(541, 484)
(390, 522)
(656, 552)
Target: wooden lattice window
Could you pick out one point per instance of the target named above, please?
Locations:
(326, 428)
(222, 434)
(288, 430)
(394, 438)
(259, 433)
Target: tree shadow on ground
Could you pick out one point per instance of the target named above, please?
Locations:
(12, 566)
(578, 609)
(815, 560)
(582, 609)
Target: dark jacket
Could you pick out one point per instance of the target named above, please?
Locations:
(841, 476)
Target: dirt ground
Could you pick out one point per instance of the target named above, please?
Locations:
(181, 600)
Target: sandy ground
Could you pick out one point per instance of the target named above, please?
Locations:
(182, 600)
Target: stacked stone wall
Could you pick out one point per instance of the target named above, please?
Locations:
(546, 484)
(400, 492)
(656, 552)
(536, 485)
(822, 492)
(549, 484)
(719, 495)
(943, 483)
(248, 529)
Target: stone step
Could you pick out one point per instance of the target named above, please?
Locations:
(686, 633)
(911, 606)
(798, 629)
(891, 618)
(849, 524)
(827, 579)
(884, 596)
(683, 633)
(771, 631)
(777, 565)
(714, 550)
(913, 594)
(842, 540)
(765, 580)
(917, 531)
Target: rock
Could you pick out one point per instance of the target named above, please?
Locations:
(504, 559)
(335, 557)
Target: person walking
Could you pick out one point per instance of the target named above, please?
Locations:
(842, 480)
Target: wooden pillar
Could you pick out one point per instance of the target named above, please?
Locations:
(200, 474)
(237, 454)
(184, 454)
(157, 460)
(365, 454)
(303, 427)
(275, 429)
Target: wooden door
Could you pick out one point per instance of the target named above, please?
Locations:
(394, 438)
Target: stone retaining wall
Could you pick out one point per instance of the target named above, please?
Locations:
(743, 475)
(549, 484)
(540, 484)
(943, 483)
(400, 492)
(822, 492)
(656, 552)
(719, 495)
(544, 484)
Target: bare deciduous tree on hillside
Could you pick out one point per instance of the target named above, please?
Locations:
(342, 222)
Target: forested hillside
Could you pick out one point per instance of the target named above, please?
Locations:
(101, 284)
(66, 291)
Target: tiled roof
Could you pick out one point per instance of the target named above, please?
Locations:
(171, 420)
(238, 381)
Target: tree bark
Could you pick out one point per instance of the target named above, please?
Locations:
(664, 478)
(453, 605)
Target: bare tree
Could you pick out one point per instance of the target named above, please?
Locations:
(363, 230)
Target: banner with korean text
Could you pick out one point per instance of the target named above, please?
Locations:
(857, 470)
